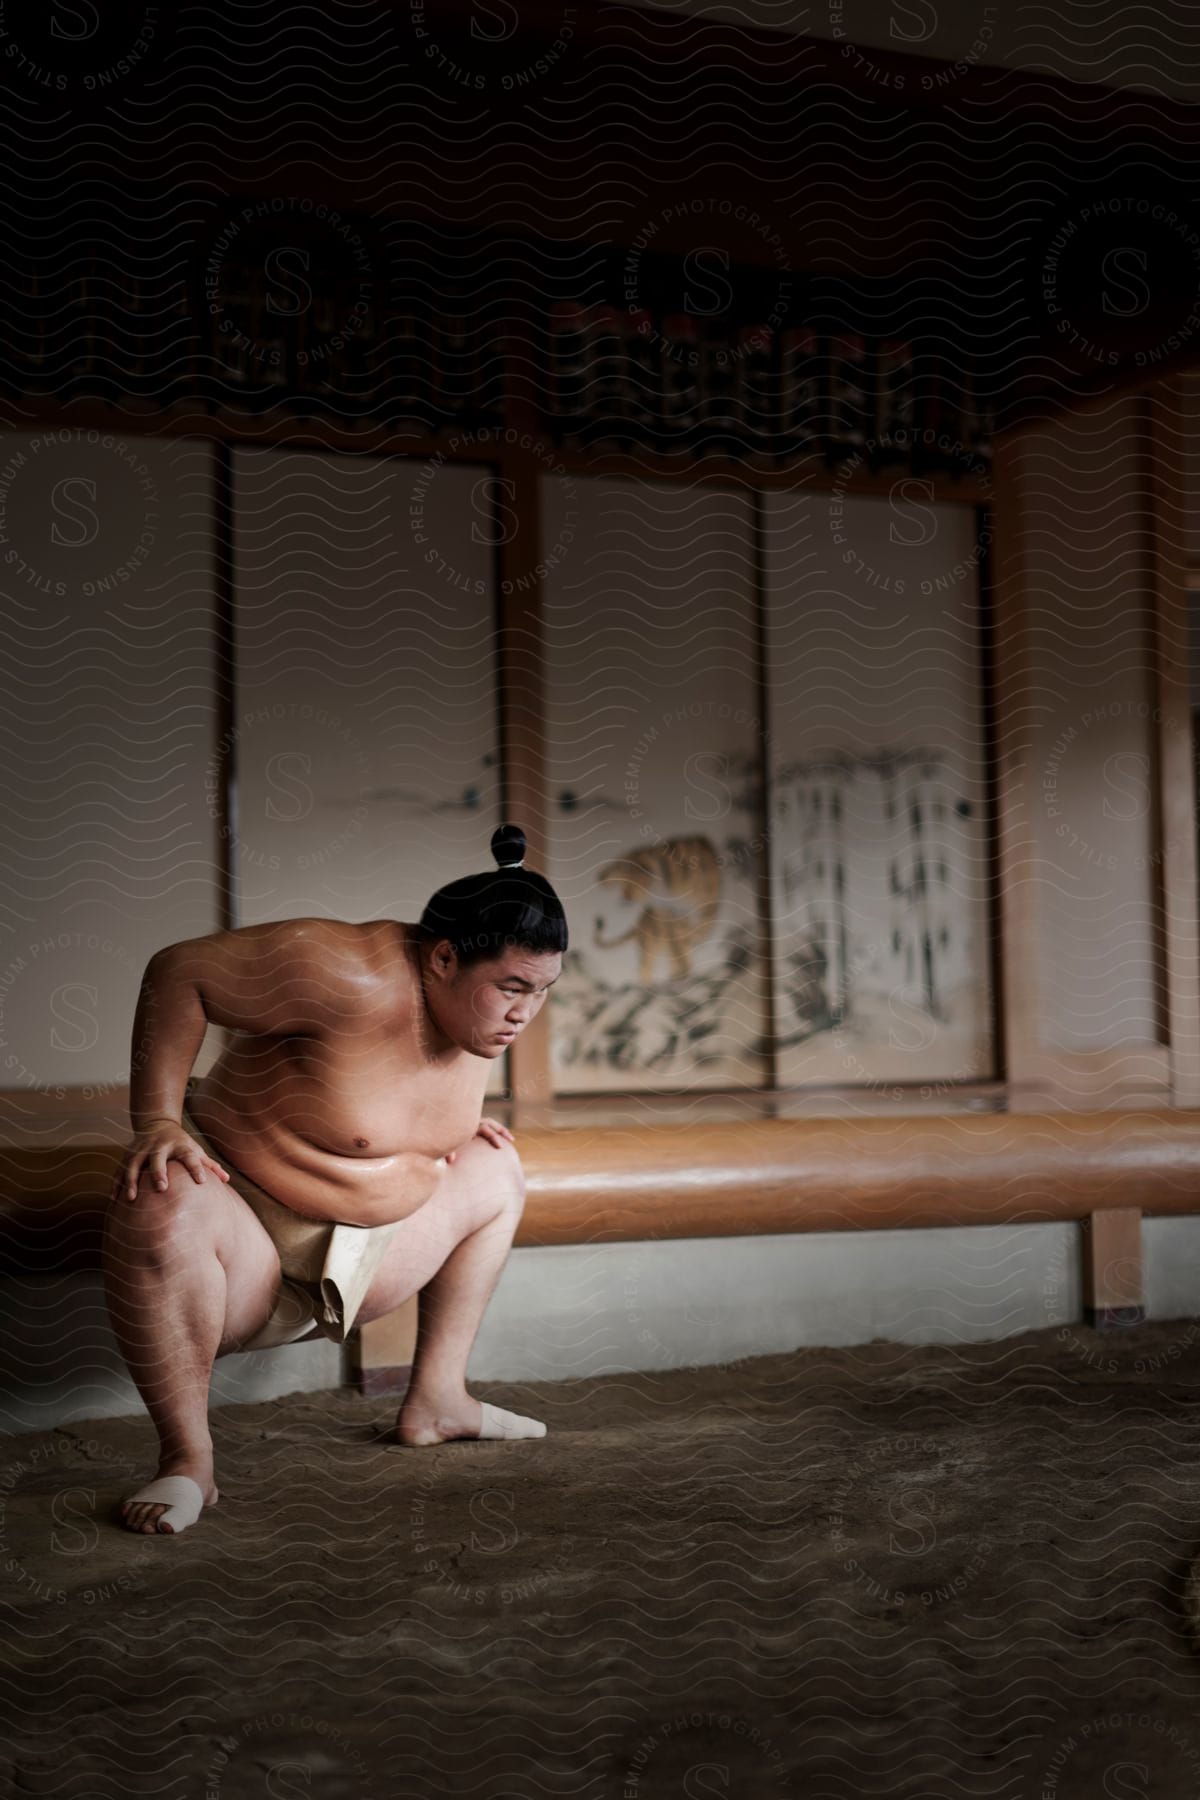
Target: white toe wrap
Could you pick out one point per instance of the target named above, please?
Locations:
(184, 1499)
(496, 1423)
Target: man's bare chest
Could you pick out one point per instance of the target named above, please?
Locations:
(385, 1093)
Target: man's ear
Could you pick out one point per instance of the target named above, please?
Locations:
(444, 958)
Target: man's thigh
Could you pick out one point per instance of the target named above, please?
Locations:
(471, 1191)
(186, 1226)
(252, 1276)
(250, 1261)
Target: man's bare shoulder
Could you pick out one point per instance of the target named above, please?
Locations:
(368, 938)
(292, 974)
(364, 961)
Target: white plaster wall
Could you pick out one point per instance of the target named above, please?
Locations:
(584, 1310)
(603, 1309)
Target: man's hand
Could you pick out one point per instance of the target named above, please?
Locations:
(496, 1134)
(151, 1151)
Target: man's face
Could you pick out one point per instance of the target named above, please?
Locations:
(486, 1006)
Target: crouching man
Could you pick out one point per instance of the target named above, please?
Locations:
(334, 1161)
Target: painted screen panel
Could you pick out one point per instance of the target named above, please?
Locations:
(878, 848)
(654, 746)
(107, 572)
(365, 719)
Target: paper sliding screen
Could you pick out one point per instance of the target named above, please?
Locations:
(878, 850)
(110, 708)
(654, 747)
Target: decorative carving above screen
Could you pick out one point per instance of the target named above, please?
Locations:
(287, 303)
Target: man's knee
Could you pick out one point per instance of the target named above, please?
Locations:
(161, 1220)
(501, 1179)
(514, 1180)
(502, 1162)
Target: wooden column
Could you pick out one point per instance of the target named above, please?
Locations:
(764, 886)
(1015, 859)
(1112, 1268)
(381, 1351)
(1162, 453)
(524, 453)
(225, 672)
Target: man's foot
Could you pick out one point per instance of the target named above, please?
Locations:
(425, 1422)
(148, 1515)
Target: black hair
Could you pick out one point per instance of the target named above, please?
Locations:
(509, 907)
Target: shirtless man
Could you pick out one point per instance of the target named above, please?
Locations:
(351, 1093)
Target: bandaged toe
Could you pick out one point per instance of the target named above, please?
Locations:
(496, 1423)
(183, 1498)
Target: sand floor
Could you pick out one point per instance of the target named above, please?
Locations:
(835, 1574)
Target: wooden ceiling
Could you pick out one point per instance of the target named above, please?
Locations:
(942, 204)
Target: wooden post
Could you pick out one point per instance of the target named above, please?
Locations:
(381, 1351)
(764, 821)
(1112, 1268)
(1177, 926)
(225, 672)
(1015, 859)
(525, 453)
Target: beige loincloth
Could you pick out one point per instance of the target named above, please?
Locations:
(325, 1268)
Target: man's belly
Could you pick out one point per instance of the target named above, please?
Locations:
(269, 1133)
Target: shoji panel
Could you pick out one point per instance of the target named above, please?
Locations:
(1094, 721)
(879, 875)
(653, 753)
(106, 567)
(366, 706)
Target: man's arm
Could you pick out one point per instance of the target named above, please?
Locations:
(168, 1030)
(271, 980)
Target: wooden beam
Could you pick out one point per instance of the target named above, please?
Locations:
(282, 431)
(808, 475)
(860, 1174)
(740, 1178)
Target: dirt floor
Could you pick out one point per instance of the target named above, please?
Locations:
(835, 1574)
